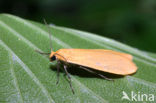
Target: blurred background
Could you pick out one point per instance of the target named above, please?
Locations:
(132, 22)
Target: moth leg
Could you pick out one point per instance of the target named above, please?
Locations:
(102, 76)
(58, 71)
(69, 78)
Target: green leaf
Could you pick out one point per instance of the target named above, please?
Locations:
(26, 76)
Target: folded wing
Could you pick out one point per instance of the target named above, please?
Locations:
(100, 59)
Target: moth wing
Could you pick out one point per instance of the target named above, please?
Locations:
(99, 59)
(118, 53)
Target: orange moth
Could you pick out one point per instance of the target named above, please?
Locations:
(97, 59)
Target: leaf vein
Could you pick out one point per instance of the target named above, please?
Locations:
(14, 76)
(29, 72)
(59, 42)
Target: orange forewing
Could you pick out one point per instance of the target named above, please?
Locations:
(99, 59)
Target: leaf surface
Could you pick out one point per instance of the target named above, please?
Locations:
(28, 77)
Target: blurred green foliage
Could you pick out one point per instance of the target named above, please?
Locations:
(130, 21)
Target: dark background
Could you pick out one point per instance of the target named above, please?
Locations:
(132, 22)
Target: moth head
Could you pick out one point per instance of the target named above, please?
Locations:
(52, 56)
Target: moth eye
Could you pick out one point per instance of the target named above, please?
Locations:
(53, 58)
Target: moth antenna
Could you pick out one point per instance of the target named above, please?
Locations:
(50, 37)
(42, 52)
